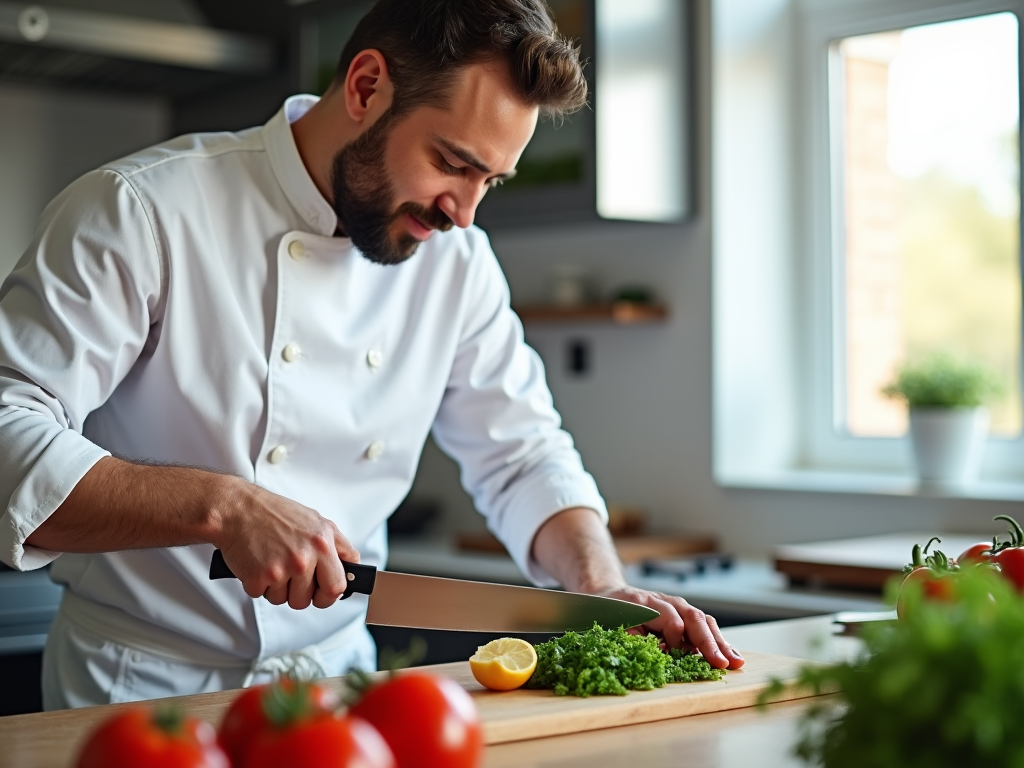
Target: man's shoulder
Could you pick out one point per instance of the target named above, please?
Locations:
(183, 153)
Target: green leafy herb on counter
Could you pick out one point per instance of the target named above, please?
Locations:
(942, 686)
(613, 662)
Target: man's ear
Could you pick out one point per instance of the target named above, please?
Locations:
(368, 88)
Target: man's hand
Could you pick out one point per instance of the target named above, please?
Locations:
(682, 626)
(279, 549)
(574, 547)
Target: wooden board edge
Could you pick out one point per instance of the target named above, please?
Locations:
(629, 711)
(830, 574)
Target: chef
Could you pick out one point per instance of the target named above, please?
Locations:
(242, 341)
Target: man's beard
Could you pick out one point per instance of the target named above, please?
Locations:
(364, 199)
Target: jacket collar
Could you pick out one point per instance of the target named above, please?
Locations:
(291, 173)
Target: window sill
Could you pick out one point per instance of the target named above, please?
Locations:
(875, 484)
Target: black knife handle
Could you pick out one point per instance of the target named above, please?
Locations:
(361, 578)
(219, 568)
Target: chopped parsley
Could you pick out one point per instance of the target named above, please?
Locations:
(613, 662)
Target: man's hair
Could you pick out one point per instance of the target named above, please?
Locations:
(427, 42)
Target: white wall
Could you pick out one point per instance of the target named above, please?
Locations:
(643, 419)
(756, 394)
(48, 138)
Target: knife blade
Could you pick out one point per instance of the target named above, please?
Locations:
(432, 602)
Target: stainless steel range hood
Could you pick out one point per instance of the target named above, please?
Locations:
(82, 43)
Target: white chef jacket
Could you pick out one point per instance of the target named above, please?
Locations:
(191, 304)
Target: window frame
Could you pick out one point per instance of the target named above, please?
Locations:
(819, 27)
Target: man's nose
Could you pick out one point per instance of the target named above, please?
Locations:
(460, 206)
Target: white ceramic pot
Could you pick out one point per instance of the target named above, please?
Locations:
(948, 444)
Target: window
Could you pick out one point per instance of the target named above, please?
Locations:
(641, 117)
(866, 166)
(911, 206)
(925, 137)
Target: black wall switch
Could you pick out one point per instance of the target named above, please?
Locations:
(578, 357)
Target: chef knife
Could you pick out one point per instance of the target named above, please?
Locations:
(430, 602)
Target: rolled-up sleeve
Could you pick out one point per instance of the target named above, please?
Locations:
(498, 420)
(75, 314)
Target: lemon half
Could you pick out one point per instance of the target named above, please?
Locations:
(503, 664)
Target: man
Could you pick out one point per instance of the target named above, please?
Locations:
(242, 341)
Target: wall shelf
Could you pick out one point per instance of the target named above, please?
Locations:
(620, 312)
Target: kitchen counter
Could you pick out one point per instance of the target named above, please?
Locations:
(739, 738)
(734, 739)
(28, 603)
(750, 591)
(742, 738)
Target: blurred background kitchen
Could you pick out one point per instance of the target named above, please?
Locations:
(770, 207)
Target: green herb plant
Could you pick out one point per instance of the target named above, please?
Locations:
(942, 686)
(942, 381)
(613, 662)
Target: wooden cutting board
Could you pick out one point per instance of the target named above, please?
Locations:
(524, 714)
(864, 563)
(52, 739)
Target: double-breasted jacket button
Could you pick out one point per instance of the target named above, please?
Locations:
(297, 250)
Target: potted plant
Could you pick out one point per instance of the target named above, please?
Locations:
(948, 417)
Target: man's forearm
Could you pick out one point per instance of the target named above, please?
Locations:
(277, 547)
(575, 547)
(119, 505)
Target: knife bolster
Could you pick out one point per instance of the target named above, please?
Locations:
(361, 579)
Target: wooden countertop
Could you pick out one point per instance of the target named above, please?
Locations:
(737, 738)
(741, 738)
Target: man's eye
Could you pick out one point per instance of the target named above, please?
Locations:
(496, 183)
(448, 168)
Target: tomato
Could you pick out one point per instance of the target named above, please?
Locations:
(934, 575)
(156, 739)
(323, 740)
(976, 553)
(1010, 555)
(1011, 565)
(941, 588)
(428, 721)
(246, 718)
